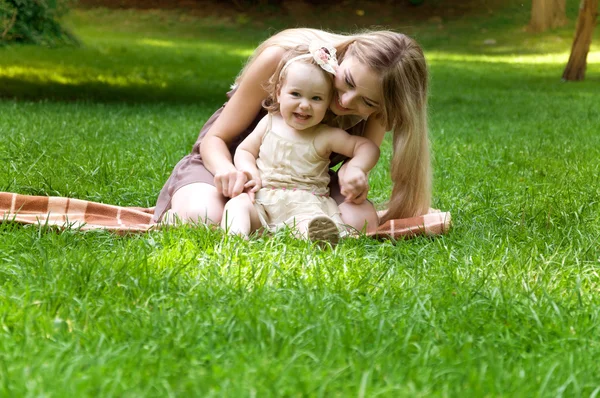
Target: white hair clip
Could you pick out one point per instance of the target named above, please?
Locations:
(325, 55)
(322, 53)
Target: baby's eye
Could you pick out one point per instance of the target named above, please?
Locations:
(295, 94)
(317, 98)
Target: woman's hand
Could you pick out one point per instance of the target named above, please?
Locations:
(230, 183)
(354, 184)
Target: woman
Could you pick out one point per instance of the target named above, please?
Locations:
(380, 85)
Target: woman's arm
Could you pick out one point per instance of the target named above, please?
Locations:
(374, 131)
(237, 115)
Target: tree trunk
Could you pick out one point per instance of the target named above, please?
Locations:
(547, 14)
(575, 69)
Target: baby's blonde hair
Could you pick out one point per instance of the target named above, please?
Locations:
(400, 62)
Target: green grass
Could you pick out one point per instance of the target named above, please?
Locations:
(506, 304)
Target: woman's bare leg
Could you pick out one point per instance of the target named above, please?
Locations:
(362, 217)
(196, 203)
(240, 217)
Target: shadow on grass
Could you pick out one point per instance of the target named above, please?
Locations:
(21, 89)
(120, 71)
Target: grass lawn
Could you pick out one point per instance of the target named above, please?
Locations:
(506, 304)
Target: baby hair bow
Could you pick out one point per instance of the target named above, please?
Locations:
(322, 53)
(325, 55)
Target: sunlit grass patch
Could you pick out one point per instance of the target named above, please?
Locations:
(552, 58)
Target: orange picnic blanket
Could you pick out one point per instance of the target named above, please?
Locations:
(87, 215)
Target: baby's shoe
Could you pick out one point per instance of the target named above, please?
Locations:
(323, 229)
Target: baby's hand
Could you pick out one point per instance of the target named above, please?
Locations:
(354, 184)
(252, 186)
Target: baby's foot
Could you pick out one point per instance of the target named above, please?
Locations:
(323, 229)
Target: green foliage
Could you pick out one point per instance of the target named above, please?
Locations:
(34, 21)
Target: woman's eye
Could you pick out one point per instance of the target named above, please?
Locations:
(349, 83)
(367, 103)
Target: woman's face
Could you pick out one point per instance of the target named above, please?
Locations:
(357, 89)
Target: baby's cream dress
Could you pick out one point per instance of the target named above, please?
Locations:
(294, 182)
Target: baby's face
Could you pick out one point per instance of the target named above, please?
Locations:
(304, 96)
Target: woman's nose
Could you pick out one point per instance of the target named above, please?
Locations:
(347, 98)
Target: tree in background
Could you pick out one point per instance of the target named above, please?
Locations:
(34, 21)
(586, 21)
(547, 14)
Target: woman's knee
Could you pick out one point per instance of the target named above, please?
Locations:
(362, 217)
(197, 203)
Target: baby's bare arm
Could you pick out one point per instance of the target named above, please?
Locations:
(245, 157)
(247, 152)
(363, 154)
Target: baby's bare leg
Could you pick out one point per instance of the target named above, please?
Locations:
(301, 229)
(240, 217)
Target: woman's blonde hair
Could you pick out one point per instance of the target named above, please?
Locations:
(400, 62)
(273, 85)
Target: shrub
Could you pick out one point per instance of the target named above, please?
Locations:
(34, 21)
